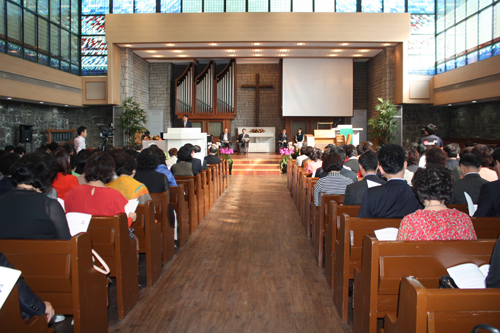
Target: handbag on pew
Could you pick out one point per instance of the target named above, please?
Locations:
(105, 268)
(447, 282)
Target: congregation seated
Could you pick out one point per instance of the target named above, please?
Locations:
(344, 172)
(95, 198)
(195, 162)
(471, 181)
(172, 152)
(162, 166)
(243, 141)
(304, 155)
(147, 162)
(45, 218)
(225, 139)
(334, 182)
(183, 167)
(352, 158)
(488, 203)
(486, 154)
(434, 187)
(394, 199)
(9, 149)
(315, 161)
(6, 161)
(126, 167)
(299, 138)
(434, 157)
(64, 181)
(199, 156)
(81, 160)
(212, 158)
(31, 305)
(368, 163)
(53, 146)
(452, 150)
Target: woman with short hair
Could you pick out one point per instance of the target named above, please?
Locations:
(334, 182)
(316, 162)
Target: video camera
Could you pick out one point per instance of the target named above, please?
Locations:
(106, 132)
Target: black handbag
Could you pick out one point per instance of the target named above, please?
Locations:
(447, 282)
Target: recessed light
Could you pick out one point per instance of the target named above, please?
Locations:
(345, 44)
(257, 44)
(151, 51)
(332, 55)
(258, 55)
(363, 51)
(66, 105)
(232, 55)
(387, 44)
(158, 56)
(283, 50)
(213, 44)
(300, 44)
(474, 101)
(337, 50)
(257, 50)
(177, 51)
(230, 51)
(170, 44)
(182, 55)
(283, 55)
(357, 55)
(449, 104)
(41, 102)
(128, 45)
(9, 97)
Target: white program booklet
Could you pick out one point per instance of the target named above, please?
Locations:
(469, 276)
(8, 279)
(371, 183)
(61, 201)
(131, 206)
(470, 204)
(78, 222)
(387, 234)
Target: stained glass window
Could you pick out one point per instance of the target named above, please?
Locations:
(43, 59)
(440, 10)
(191, 6)
(29, 29)
(93, 25)
(471, 7)
(75, 20)
(145, 6)
(30, 55)
(93, 46)
(65, 45)
(441, 68)
(450, 13)
(496, 49)
(325, 6)
(421, 6)
(371, 6)
(14, 50)
(472, 57)
(93, 7)
(496, 21)
(471, 28)
(30, 4)
(440, 55)
(14, 22)
(75, 46)
(2, 15)
(43, 34)
(485, 26)
(55, 11)
(258, 6)
(170, 6)
(305, 6)
(460, 38)
(460, 10)
(213, 6)
(75, 69)
(461, 61)
(54, 63)
(485, 52)
(123, 6)
(421, 44)
(451, 65)
(64, 66)
(484, 3)
(55, 41)
(94, 65)
(43, 8)
(346, 6)
(65, 13)
(281, 6)
(394, 6)
(2, 46)
(450, 43)
(422, 24)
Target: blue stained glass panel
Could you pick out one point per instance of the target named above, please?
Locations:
(485, 53)
(422, 24)
(2, 15)
(64, 66)
(94, 65)
(30, 55)
(2, 46)
(75, 69)
(14, 50)
(304, 6)
(346, 6)
(170, 6)
(281, 6)
(145, 6)
(43, 59)
(94, 46)
(123, 6)
(93, 25)
(394, 6)
(421, 64)
(495, 50)
(421, 44)
(451, 65)
(421, 6)
(93, 7)
(440, 15)
(461, 61)
(191, 6)
(324, 6)
(441, 68)
(472, 57)
(371, 6)
(213, 6)
(43, 8)
(258, 6)
(54, 63)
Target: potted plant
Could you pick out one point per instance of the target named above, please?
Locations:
(383, 126)
(286, 155)
(225, 154)
(133, 119)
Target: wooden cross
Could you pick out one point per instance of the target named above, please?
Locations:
(257, 86)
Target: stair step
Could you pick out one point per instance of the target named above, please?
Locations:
(246, 162)
(248, 172)
(256, 166)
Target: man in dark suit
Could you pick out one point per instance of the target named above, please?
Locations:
(352, 161)
(472, 181)
(185, 123)
(225, 138)
(212, 158)
(368, 164)
(394, 199)
(243, 140)
(283, 139)
(489, 196)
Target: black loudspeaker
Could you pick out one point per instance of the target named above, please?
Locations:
(25, 133)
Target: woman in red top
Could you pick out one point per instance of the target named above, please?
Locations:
(64, 181)
(94, 197)
(434, 187)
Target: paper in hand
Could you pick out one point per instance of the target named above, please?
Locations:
(131, 206)
(8, 279)
(61, 201)
(78, 222)
(387, 234)
(371, 183)
(470, 204)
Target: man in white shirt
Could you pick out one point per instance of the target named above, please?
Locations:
(173, 158)
(303, 156)
(80, 139)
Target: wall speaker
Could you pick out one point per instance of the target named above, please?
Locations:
(25, 133)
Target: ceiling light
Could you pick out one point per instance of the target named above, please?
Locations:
(257, 50)
(283, 50)
(258, 55)
(357, 55)
(9, 97)
(232, 55)
(337, 50)
(151, 51)
(300, 44)
(177, 51)
(128, 45)
(387, 44)
(66, 105)
(257, 44)
(158, 56)
(230, 51)
(474, 101)
(213, 44)
(170, 44)
(345, 44)
(283, 55)
(449, 104)
(362, 51)
(332, 55)
(182, 55)
(41, 102)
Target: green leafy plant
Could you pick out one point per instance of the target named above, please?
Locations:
(384, 126)
(133, 119)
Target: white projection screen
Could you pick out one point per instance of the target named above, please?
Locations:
(317, 88)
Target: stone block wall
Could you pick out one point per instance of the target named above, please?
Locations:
(12, 114)
(160, 90)
(141, 82)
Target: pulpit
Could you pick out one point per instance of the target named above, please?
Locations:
(323, 137)
(178, 137)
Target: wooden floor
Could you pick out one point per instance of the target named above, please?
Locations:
(248, 268)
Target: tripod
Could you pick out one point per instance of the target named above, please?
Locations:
(104, 143)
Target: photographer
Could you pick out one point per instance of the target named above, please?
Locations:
(430, 139)
(80, 139)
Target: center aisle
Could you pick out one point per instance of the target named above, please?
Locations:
(248, 268)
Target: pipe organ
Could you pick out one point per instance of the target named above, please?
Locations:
(225, 89)
(205, 89)
(184, 91)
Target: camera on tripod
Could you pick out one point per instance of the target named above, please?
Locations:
(106, 132)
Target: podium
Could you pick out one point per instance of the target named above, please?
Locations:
(322, 137)
(178, 137)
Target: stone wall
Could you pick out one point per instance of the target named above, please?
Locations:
(380, 79)
(160, 90)
(12, 114)
(141, 82)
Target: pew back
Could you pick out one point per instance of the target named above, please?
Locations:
(162, 215)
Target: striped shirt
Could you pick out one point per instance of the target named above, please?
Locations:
(333, 183)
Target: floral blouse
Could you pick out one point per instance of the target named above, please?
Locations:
(447, 224)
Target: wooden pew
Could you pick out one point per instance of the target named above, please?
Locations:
(180, 205)
(297, 186)
(225, 170)
(148, 232)
(192, 203)
(384, 264)
(61, 272)
(331, 235)
(213, 185)
(162, 216)
(111, 240)
(206, 193)
(321, 218)
(12, 321)
(199, 191)
(486, 227)
(462, 208)
(305, 186)
(309, 209)
(423, 310)
(220, 170)
(289, 169)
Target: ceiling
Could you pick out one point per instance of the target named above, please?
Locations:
(254, 52)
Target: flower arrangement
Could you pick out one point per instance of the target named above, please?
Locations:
(157, 137)
(286, 155)
(254, 130)
(225, 154)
